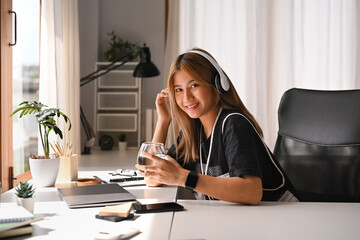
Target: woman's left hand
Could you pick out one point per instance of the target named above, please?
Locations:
(164, 171)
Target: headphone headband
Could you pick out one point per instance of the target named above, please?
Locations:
(222, 84)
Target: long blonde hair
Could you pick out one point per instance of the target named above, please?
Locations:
(201, 70)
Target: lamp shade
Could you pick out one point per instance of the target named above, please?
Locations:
(145, 68)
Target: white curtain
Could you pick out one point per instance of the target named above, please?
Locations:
(59, 65)
(267, 47)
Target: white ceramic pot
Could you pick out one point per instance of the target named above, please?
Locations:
(27, 203)
(44, 171)
(122, 146)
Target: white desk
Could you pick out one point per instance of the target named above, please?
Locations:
(201, 220)
(270, 220)
(65, 223)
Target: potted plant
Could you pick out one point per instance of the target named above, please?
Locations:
(25, 195)
(44, 169)
(120, 49)
(122, 143)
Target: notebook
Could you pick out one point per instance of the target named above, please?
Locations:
(14, 213)
(4, 227)
(24, 230)
(95, 195)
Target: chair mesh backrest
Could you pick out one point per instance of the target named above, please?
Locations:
(318, 143)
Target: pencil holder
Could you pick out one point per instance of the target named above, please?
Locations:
(68, 169)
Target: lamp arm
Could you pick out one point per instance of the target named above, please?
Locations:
(88, 130)
(91, 74)
(89, 78)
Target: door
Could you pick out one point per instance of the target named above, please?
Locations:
(20, 64)
(5, 94)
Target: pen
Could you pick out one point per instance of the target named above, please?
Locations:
(126, 179)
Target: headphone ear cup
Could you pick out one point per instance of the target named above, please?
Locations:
(217, 83)
(221, 82)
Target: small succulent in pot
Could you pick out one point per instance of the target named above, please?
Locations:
(25, 190)
(122, 138)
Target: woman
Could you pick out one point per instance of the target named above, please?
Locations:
(219, 153)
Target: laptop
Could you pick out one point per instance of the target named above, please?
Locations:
(95, 195)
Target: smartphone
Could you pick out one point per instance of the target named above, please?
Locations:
(157, 207)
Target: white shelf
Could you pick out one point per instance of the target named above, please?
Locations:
(118, 100)
(118, 79)
(117, 122)
(118, 104)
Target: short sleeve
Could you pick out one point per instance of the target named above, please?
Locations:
(241, 145)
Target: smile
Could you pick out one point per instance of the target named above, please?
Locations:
(191, 107)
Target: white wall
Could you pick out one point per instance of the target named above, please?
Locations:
(138, 21)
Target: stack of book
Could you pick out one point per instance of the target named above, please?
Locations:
(116, 213)
(16, 221)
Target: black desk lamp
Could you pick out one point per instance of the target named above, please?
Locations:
(144, 69)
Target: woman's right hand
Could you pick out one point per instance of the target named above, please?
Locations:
(162, 103)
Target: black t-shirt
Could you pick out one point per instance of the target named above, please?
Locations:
(238, 150)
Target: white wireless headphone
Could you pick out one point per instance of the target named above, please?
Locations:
(221, 81)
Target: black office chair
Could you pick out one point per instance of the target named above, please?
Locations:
(318, 143)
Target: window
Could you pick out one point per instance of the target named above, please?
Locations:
(25, 80)
(19, 76)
